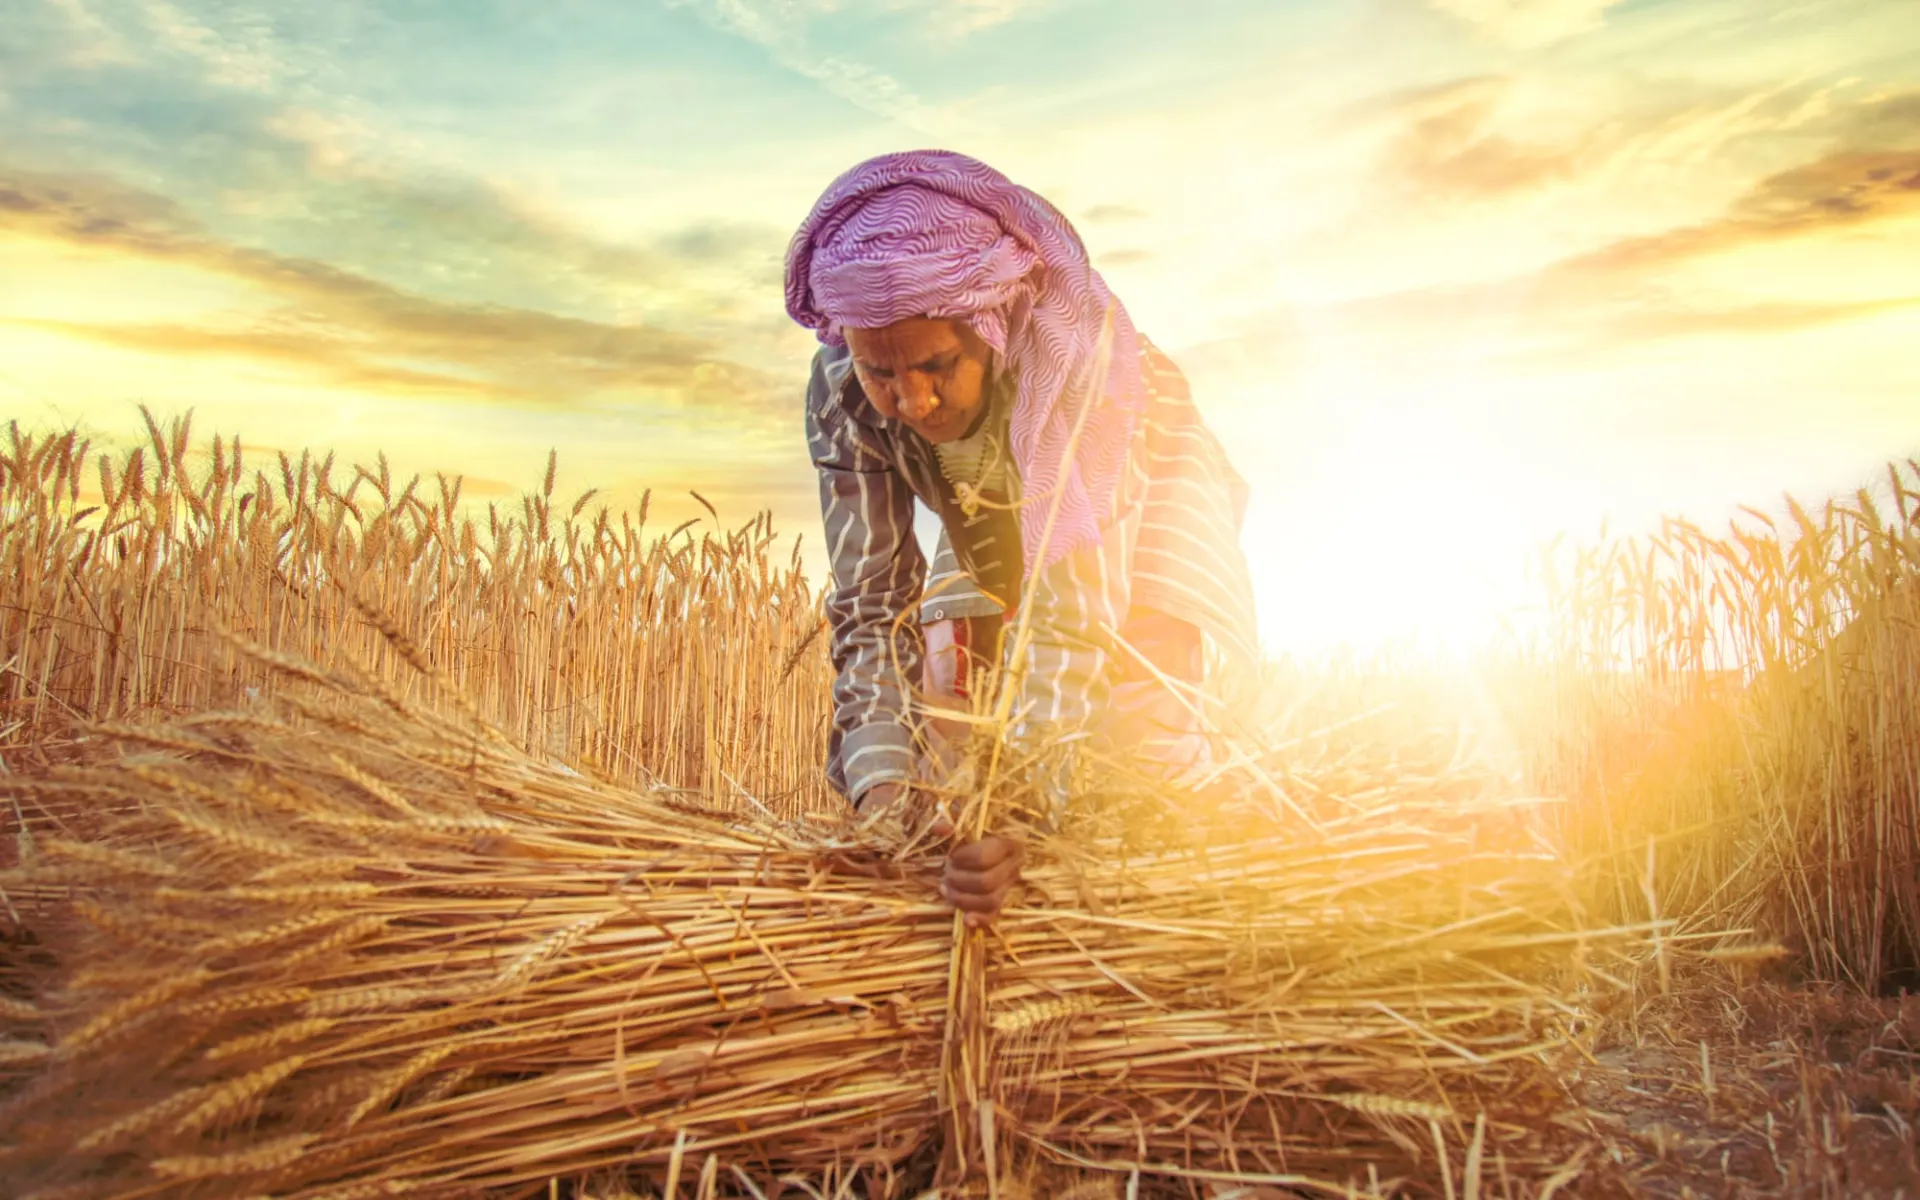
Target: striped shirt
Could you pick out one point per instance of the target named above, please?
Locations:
(1170, 543)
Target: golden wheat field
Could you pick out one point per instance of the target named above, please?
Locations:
(361, 841)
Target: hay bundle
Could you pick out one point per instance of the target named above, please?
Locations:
(348, 947)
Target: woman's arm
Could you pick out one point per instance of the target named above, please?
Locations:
(878, 572)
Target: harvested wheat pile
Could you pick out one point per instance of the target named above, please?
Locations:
(344, 946)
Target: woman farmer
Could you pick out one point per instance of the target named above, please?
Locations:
(961, 325)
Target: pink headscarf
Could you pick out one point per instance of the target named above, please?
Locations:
(937, 234)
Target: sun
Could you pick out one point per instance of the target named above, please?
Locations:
(1400, 517)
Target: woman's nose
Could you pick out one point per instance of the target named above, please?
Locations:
(918, 400)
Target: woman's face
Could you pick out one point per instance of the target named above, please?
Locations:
(929, 373)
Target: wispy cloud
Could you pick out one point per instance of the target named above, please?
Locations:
(351, 330)
(1113, 214)
(1608, 301)
(222, 43)
(1648, 323)
(1846, 188)
(1448, 145)
(318, 355)
(783, 28)
(960, 18)
(1484, 137)
(1528, 23)
(243, 54)
(90, 42)
(1888, 119)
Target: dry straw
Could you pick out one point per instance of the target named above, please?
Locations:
(542, 976)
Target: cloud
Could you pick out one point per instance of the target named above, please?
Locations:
(349, 329)
(1527, 23)
(293, 156)
(82, 206)
(321, 357)
(963, 18)
(1444, 144)
(1565, 335)
(1889, 120)
(781, 28)
(1645, 323)
(1457, 138)
(92, 42)
(706, 243)
(337, 146)
(114, 219)
(372, 212)
(1843, 189)
(1420, 101)
(242, 54)
(1593, 304)
(233, 47)
(1619, 290)
(1113, 214)
(1438, 335)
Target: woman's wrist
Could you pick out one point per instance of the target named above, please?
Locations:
(878, 796)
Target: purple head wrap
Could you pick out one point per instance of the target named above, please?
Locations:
(930, 233)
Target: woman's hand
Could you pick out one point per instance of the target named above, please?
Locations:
(980, 874)
(899, 797)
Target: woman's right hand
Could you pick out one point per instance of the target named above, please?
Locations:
(978, 876)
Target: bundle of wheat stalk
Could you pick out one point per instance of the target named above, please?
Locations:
(348, 945)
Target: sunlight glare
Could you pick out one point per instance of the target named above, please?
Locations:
(1406, 523)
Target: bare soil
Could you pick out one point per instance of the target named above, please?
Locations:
(1731, 1088)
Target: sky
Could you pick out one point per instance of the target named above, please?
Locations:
(1448, 276)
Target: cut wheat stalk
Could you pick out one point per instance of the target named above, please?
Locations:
(585, 978)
